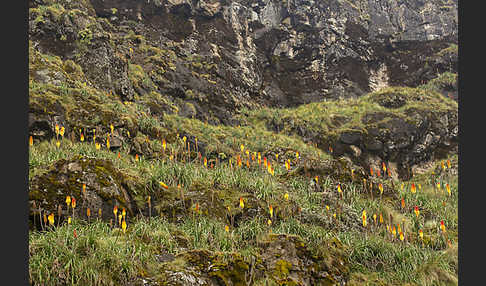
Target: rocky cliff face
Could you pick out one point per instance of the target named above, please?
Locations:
(224, 55)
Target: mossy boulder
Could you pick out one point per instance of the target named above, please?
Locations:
(105, 188)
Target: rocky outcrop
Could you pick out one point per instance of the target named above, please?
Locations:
(233, 54)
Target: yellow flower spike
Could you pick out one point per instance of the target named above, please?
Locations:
(226, 228)
(31, 141)
(317, 179)
(438, 185)
(401, 236)
(401, 187)
(98, 146)
(374, 218)
(61, 132)
(416, 211)
(276, 157)
(82, 137)
(69, 220)
(163, 185)
(108, 143)
(442, 226)
(164, 144)
(327, 208)
(112, 128)
(99, 212)
(297, 155)
(242, 147)
(269, 222)
(383, 167)
(68, 201)
(334, 215)
(136, 157)
(205, 162)
(420, 186)
(128, 134)
(124, 226)
(51, 219)
(421, 235)
(242, 204)
(247, 153)
(381, 219)
(339, 188)
(380, 187)
(119, 219)
(270, 208)
(124, 213)
(58, 143)
(448, 188)
(286, 196)
(57, 129)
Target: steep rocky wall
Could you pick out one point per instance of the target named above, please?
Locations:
(277, 53)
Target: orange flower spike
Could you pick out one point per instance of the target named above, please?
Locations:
(448, 188)
(108, 143)
(31, 140)
(413, 189)
(57, 129)
(45, 218)
(205, 162)
(73, 202)
(388, 172)
(442, 226)
(164, 144)
(124, 226)
(248, 164)
(416, 211)
(442, 165)
(394, 231)
(378, 173)
(196, 209)
(421, 235)
(448, 163)
(88, 212)
(381, 218)
(118, 155)
(61, 132)
(115, 210)
(330, 149)
(363, 216)
(371, 171)
(163, 185)
(383, 166)
(242, 204)
(380, 187)
(265, 161)
(84, 189)
(51, 219)
(270, 209)
(401, 236)
(403, 203)
(82, 137)
(68, 201)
